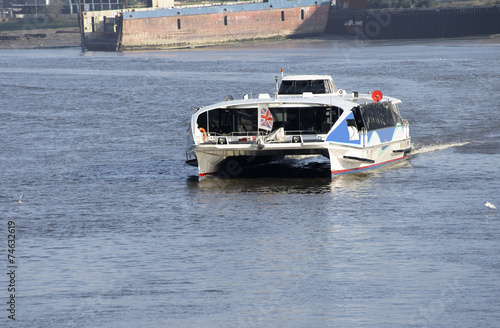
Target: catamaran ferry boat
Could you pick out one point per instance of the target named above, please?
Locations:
(307, 115)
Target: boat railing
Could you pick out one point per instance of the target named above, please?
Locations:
(300, 132)
(261, 133)
(253, 136)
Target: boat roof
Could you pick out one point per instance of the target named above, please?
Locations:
(339, 98)
(345, 101)
(306, 77)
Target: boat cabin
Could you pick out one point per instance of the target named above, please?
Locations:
(292, 113)
(294, 119)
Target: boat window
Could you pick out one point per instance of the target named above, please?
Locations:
(395, 108)
(202, 121)
(329, 86)
(282, 16)
(226, 122)
(315, 120)
(376, 116)
(246, 120)
(302, 14)
(299, 87)
(243, 121)
(221, 121)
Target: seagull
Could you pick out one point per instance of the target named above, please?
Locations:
(490, 205)
(20, 199)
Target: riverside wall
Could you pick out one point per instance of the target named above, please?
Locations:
(362, 24)
(414, 23)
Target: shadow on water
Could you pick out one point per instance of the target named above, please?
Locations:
(272, 185)
(293, 177)
(310, 176)
(276, 177)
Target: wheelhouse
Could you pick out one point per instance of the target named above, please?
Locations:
(315, 84)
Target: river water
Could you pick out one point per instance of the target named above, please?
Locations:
(114, 230)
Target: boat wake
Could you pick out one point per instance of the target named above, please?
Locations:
(436, 147)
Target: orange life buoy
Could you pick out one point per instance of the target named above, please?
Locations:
(204, 133)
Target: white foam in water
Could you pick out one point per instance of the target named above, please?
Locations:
(438, 147)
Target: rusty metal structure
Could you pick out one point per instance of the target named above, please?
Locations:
(166, 26)
(416, 23)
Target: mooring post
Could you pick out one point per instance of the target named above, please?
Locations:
(80, 25)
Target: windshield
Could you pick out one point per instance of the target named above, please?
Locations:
(301, 86)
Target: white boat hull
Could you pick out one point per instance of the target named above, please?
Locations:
(343, 158)
(349, 160)
(230, 159)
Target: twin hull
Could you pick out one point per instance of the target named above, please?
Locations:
(191, 26)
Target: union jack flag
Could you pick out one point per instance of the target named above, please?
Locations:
(266, 118)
